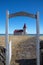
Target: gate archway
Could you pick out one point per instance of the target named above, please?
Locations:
(36, 16)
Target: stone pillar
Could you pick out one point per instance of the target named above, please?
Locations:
(38, 40)
(6, 37)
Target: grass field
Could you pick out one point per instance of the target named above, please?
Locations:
(22, 47)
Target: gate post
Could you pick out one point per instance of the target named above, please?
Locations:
(38, 40)
(7, 37)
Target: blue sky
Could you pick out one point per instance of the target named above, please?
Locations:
(14, 6)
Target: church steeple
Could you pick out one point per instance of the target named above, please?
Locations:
(24, 28)
(24, 25)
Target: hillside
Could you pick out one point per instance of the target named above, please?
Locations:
(23, 47)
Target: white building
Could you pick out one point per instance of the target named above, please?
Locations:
(21, 31)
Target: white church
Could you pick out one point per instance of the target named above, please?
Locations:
(20, 31)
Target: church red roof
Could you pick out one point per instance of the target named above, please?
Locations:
(18, 31)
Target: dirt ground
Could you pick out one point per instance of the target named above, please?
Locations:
(23, 47)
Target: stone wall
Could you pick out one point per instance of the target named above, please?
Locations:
(2, 55)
